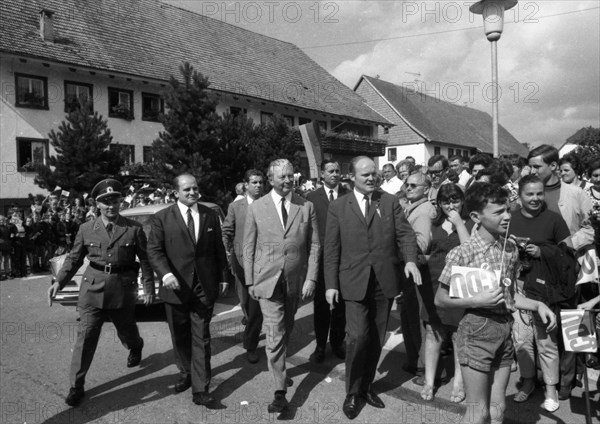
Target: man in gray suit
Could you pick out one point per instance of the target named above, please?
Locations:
(233, 240)
(281, 261)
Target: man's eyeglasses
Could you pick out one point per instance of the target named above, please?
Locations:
(438, 172)
(413, 186)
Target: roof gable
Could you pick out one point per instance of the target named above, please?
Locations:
(442, 121)
(151, 39)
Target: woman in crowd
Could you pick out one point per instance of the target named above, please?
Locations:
(571, 170)
(538, 232)
(593, 188)
(451, 228)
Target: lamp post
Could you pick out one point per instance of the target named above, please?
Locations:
(493, 24)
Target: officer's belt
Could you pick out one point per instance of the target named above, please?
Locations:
(113, 269)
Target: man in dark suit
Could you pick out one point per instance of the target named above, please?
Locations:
(327, 321)
(281, 261)
(109, 286)
(233, 239)
(186, 250)
(366, 241)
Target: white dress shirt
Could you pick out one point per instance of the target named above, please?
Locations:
(195, 216)
(277, 200)
(249, 199)
(360, 198)
(334, 191)
(392, 186)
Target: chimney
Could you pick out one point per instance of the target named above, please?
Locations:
(47, 25)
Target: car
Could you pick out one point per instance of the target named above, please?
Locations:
(69, 295)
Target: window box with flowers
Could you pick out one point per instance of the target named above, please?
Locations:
(120, 103)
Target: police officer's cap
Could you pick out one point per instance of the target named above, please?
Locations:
(107, 188)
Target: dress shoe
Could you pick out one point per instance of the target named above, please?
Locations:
(135, 356)
(351, 405)
(339, 351)
(75, 396)
(252, 356)
(411, 369)
(289, 382)
(203, 398)
(318, 355)
(564, 393)
(279, 403)
(183, 384)
(373, 400)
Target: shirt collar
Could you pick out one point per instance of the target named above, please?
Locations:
(360, 197)
(183, 208)
(336, 189)
(249, 199)
(277, 198)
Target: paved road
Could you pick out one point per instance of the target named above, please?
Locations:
(35, 351)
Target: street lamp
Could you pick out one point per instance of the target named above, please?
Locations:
(493, 23)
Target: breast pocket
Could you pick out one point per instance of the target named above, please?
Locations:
(94, 248)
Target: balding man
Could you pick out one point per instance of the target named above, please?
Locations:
(281, 264)
(366, 241)
(391, 183)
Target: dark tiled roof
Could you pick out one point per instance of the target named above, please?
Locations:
(442, 121)
(151, 39)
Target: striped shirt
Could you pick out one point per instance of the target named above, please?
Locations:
(474, 253)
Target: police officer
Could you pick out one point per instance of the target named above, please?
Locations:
(109, 284)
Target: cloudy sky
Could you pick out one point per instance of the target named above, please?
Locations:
(548, 56)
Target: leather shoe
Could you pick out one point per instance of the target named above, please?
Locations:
(351, 405)
(135, 356)
(564, 393)
(252, 356)
(339, 351)
(289, 382)
(183, 384)
(373, 400)
(75, 396)
(318, 355)
(279, 403)
(203, 398)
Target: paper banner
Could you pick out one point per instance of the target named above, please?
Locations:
(467, 282)
(589, 267)
(578, 330)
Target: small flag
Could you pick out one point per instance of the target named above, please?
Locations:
(129, 198)
(151, 197)
(64, 193)
(578, 330)
(589, 267)
(131, 188)
(85, 195)
(146, 186)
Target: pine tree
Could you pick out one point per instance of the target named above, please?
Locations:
(190, 140)
(82, 158)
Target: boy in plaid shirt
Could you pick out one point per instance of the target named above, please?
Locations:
(484, 340)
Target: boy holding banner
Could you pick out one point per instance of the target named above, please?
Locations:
(484, 339)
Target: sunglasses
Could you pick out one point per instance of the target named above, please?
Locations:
(435, 172)
(413, 186)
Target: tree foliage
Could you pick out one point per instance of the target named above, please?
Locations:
(190, 140)
(82, 156)
(587, 136)
(216, 149)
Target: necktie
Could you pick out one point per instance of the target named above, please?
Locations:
(331, 195)
(190, 225)
(109, 228)
(367, 206)
(283, 212)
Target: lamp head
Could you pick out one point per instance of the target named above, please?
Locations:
(493, 15)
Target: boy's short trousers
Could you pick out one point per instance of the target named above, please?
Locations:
(485, 343)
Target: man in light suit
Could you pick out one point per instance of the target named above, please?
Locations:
(186, 250)
(327, 322)
(366, 241)
(233, 239)
(281, 261)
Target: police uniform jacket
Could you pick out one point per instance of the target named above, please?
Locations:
(115, 289)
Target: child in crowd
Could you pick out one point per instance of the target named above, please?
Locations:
(538, 232)
(484, 336)
(449, 229)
